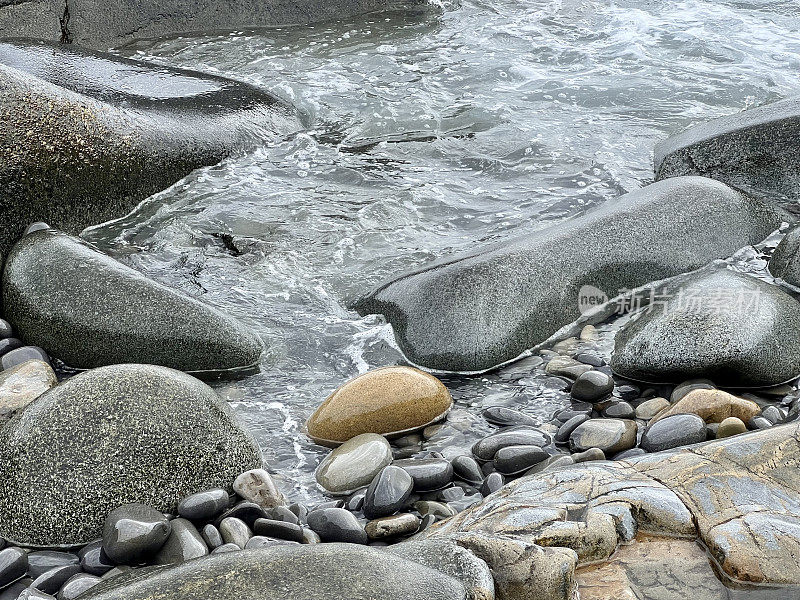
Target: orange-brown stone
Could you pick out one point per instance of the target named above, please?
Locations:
(389, 401)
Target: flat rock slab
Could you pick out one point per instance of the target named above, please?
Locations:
(90, 310)
(732, 328)
(86, 136)
(756, 150)
(106, 23)
(474, 311)
(304, 572)
(740, 496)
(112, 436)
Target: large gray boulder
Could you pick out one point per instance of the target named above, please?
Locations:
(756, 150)
(474, 311)
(112, 436)
(90, 310)
(732, 328)
(303, 572)
(86, 136)
(106, 23)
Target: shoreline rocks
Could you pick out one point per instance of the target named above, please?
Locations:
(756, 150)
(472, 312)
(102, 133)
(108, 437)
(681, 337)
(90, 310)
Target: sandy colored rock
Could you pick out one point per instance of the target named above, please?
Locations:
(390, 401)
(731, 426)
(713, 406)
(652, 568)
(23, 384)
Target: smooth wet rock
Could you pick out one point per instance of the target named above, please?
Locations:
(609, 435)
(205, 505)
(486, 448)
(566, 429)
(492, 483)
(474, 311)
(592, 386)
(785, 260)
(13, 591)
(13, 565)
(41, 561)
(95, 561)
(321, 572)
(388, 492)
(211, 536)
(688, 386)
(256, 485)
(451, 559)
(650, 408)
(51, 581)
(773, 414)
(77, 585)
(731, 426)
(102, 133)
(682, 337)
(620, 410)
(755, 150)
(507, 417)
(235, 531)
(21, 355)
(184, 543)
(9, 344)
(467, 469)
(21, 385)
(354, 464)
(115, 435)
(90, 310)
(392, 526)
(245, 511)
(6, 331)
(512, 460)
(437, 509)
(713, 406)
(337, 525)
(391, 401)
(133, 533)
(428, 473)
(279, 529)
(673, 431)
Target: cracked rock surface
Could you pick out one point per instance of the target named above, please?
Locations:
(740, 497)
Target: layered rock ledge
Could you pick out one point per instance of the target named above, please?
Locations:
(740, 497)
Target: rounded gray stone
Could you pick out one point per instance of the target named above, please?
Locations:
(109, 437)
(134, 532)
(281, 572)
(90, 310)
(732, 328)
(473, 311)
(672, 432)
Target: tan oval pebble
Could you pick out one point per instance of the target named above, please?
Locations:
(731, 426)
(713, 406)
(390, 401)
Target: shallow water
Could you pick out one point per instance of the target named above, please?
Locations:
(428, 134)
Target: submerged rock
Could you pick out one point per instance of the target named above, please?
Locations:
(321, 572)
(785, 260)
(474, 311)
(716, 323)
(113, 436)
(85, 136)
(390, 401)
(740, 496)
(90, 310)
(109, 24)
(756, 150)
